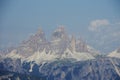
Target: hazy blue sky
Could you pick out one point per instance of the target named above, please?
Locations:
(97, 21)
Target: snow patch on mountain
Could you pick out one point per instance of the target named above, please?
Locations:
(83, 56)
(39, 50)
(115, 54)
(40, 57)
(77, 55)
(31, 67)
(92, 51)
(13, 54)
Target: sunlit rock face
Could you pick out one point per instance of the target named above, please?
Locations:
(60, 46)
(62, 57)
(34, 43)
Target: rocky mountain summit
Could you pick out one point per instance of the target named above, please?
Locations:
(62, 57)
(37, 48)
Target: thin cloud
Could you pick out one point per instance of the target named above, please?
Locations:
(96, 24)
(116, 34)
(118, 23)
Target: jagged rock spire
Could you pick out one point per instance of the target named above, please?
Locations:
(60, 28)
(73, 43)
(118, 50)
(60, 33)
(39, 36)
(81, 46)
(33, 43)
(40, 31)
(59, 43)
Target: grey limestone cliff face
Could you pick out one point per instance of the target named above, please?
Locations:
(33, 43)
(58, 43)
(99, 68)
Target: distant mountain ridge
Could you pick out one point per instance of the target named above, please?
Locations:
(95, 69)
(37, 48)
(60, 58)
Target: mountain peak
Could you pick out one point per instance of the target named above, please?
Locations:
(118, 50)
(60, 33)
(60, 28)
(39, 31)
(61, 45)
(73, 43)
